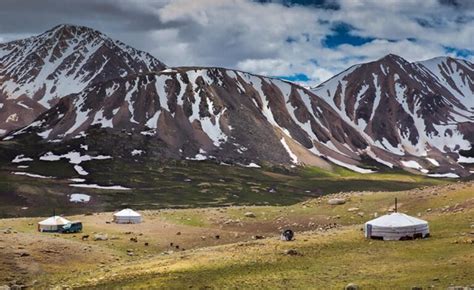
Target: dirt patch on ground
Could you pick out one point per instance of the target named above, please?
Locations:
(26, 257)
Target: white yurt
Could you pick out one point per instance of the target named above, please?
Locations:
(52, 224)
(127, 216)
(396, 226)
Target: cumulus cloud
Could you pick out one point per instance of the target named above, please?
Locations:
(270, 37)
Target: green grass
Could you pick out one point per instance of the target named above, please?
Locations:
(333, 262)
(163, 185)
(158, 184)
(185, 218)
(328, 261)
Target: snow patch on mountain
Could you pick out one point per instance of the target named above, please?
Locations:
(100, 119)
(153, 121)
(292, 155)
(96, 186)
(32, 175)
(21, 158)
(75, 158)
(79, 198)
(463, 159)
(252, 165)
(412, 164)
(80, 170)
(350, 166)
(444, 175)
(433, 161)
(137, 152)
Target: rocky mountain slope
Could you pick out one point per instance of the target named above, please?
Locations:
(36, 72)
(207, 113)
(385, 114)
(456, 75)
(421, 112)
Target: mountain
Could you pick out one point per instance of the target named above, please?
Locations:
(380, 115)
(36, 72)
(422, 112)
(203, 113)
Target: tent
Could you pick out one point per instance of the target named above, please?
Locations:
(396, 226)
(52, 224)
(127, 216)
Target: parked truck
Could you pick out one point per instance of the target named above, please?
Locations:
(73, 227)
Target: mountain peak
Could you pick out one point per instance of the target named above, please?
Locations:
(62, 61)
(392, 58)
(68, 31)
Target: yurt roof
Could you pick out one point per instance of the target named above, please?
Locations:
(396, 220)
(54, 221)
(127, 212)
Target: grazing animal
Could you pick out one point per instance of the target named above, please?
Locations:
(134, 239)
(217, 237)
(85, 237)
(287, 235)
(146, 244)
(177, 247)
(171, 244)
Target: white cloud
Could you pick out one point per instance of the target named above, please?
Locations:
(272, 67)
(269, 39)
(401, 19)
(252, 37)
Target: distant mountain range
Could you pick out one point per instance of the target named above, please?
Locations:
(73, 85)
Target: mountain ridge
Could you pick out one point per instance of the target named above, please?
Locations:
(36, 71)
(417, 109)
(231, 116)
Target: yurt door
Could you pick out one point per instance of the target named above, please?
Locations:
(368, 230)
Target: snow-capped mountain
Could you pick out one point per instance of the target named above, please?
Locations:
(421, 112)
(208, 113)
(37, 71)
(384, 114)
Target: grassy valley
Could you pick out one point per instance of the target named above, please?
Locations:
(197, 232)
(329, 248)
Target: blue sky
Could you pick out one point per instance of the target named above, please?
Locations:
(342, 33)
(305, 41)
